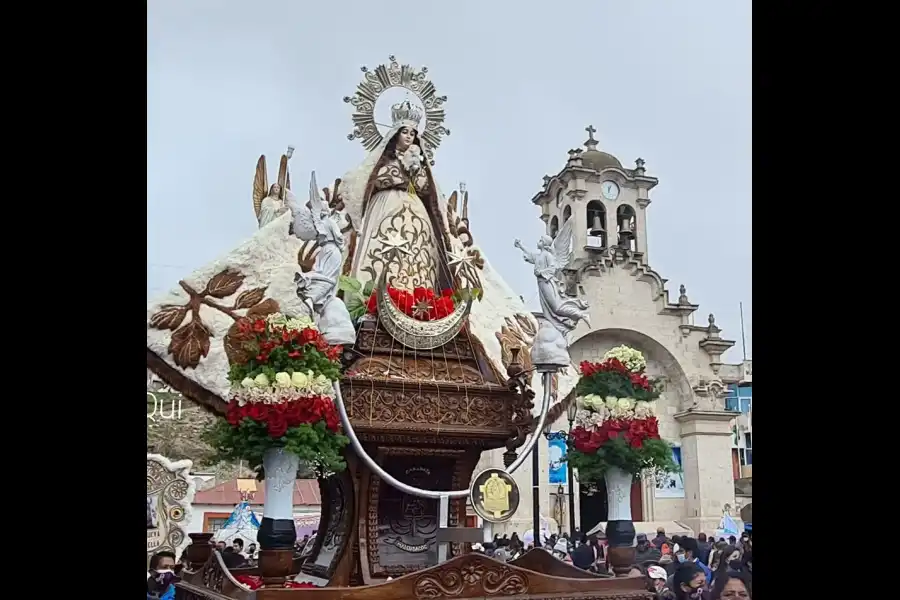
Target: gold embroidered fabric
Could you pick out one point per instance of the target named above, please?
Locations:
(415, 265)
(394, 176)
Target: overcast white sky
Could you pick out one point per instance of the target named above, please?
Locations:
(228, 80)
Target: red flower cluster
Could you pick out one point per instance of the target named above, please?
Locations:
(294, 340)
(633, 431)
(614, 365)
(254, 582)
(422, 304)
(280, 417)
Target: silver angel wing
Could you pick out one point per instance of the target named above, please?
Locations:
(564, 245)
(304, 223)
(315, 200)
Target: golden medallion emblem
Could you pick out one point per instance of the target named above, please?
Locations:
(495, 496)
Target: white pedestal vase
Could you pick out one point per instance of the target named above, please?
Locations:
(620, 531)
(277, 530)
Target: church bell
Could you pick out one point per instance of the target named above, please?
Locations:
(597, 226)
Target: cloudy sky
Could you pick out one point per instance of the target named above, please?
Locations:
(228, 80)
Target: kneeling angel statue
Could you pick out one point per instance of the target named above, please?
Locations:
(318, 287)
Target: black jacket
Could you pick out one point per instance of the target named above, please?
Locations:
(584, 556)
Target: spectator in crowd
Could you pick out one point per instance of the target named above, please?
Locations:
(703, 548)
(687, 553)
(660, 538)
(716, 554)
(688, 583)
(644, 551)
(656, 579)
(732, 586)
(161, 576)
(730, 560)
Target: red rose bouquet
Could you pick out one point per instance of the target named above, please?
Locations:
(616, 424)
(421, 304)
(283, 395)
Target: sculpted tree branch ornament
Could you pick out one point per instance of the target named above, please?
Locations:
(560, 314)
(190, 341)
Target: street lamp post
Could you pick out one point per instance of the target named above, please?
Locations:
(571, 409)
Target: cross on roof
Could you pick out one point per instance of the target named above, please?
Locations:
(591, 131)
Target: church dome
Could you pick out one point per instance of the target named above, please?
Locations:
(597, 160)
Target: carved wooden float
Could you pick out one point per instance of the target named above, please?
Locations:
(425, 416)
(468, 576)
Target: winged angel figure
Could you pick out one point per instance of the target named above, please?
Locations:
(552, 257)
(317, 222)
(270, 202)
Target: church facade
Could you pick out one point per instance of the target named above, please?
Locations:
(630, 304)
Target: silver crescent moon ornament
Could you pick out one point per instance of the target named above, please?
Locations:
(412, 333)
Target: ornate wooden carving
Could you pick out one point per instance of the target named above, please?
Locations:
(471, 577)
(428, 460)
(336, 525)
(463, 413)
(538, 559)
(410, 368)
(474, 576)
(378, 341)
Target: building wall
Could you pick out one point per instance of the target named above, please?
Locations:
(740, 399)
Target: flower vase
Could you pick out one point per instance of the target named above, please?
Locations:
(277, 530)
(619, 527)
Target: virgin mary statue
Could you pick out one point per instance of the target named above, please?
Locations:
(395, 207)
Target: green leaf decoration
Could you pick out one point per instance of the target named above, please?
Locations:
(349, 284)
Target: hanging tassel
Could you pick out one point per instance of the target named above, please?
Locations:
(411, 189)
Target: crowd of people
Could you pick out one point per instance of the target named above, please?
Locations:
(675, 568)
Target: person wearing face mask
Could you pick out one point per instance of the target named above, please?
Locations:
(730, 560)
(161, 576)
(687, 554)
(689, 582)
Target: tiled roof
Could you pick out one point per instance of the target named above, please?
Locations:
(306, 493)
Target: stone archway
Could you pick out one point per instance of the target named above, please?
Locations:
(661, 363)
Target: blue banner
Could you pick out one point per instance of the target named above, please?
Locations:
(557, 453)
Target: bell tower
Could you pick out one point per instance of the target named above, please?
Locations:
(607, 201)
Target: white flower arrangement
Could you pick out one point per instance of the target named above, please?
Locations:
(291, 323)
(594, 410)
(633, 360)
(286, 387)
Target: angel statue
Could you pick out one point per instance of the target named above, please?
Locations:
(270, 202)
(318, 288)
(392, 201)
(563, 314)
